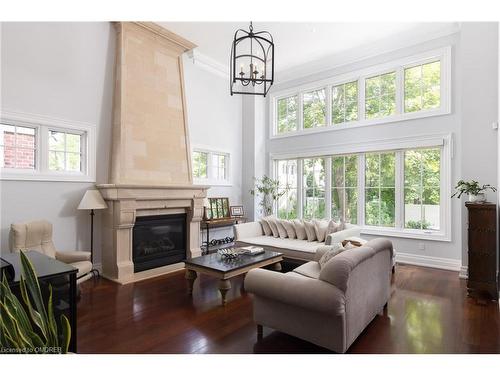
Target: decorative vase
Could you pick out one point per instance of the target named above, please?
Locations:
(478, 198)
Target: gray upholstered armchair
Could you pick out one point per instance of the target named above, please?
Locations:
(37, 235)
(328, 306)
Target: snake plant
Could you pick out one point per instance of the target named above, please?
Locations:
(30, 327)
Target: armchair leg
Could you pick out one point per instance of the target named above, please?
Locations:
(260, 332)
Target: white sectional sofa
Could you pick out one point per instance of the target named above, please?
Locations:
(252, 234)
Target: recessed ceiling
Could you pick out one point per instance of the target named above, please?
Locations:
(299, 43)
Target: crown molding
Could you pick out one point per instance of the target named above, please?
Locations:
(208, 64)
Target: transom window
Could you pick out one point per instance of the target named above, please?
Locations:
(399, 191)
(380, 96)
(287, 114)
(314, 108)
(210, 167)
(423, 87)
(345, 102)
(409, 88)
(17, 147)
(65, 151)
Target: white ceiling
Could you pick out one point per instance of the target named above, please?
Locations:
(298, 43)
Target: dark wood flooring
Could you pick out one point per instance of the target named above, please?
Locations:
(428, 312)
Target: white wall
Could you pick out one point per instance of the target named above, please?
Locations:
(65, 70)
(215, 123)
(59, 70)
(474, 52)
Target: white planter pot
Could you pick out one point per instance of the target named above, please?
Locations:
(481, 197)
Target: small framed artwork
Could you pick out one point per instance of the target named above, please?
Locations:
(236, 211)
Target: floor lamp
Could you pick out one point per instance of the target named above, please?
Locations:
(92, 200)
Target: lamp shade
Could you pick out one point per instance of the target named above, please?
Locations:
(92, 200)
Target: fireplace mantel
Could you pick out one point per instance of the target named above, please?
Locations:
(125, 204)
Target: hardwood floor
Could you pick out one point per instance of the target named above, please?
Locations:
(428, 312)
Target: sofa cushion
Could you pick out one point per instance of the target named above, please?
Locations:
(274, 227)
(291, 248)
(290, 231)
(320, 226)
(310, 231)
(281, 228)
(300, 229)
(265, 227)
(333, 227)
(309, 269)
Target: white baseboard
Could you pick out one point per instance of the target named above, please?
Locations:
(428, 261)
(464, 272)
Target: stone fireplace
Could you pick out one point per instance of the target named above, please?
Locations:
(150, 172)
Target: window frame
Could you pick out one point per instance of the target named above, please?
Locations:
(42, 126)
(442, 54)
(211, 180)
(442, 141)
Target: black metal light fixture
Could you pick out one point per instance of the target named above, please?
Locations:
(252, 62)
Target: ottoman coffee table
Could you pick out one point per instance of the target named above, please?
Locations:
(224, 269)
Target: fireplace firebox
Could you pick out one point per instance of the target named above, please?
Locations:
(159, 241)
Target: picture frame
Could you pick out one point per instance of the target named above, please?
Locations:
(218, 208)
(236, 211)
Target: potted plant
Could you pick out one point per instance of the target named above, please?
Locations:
(473, 189)
(269, 191)
(30, 327)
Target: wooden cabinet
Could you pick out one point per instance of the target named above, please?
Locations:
(482, 239)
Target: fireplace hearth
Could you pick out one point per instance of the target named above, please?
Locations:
(158, 241)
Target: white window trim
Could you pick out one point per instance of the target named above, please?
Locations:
(210, 180)
(441, 54)
(445, 141)
(43, 124)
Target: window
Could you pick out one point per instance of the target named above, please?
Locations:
(345, 102)
(46, 149)
(380, 96)
(344, 190)
(287, 177)
(408, 88)
(380, 189)
(210, 167)
(17, 147)
(314, 188)
(422, 189)
(65, 151)
(422, 87)
(287, 114)
(219, 168)
(314, 108)
(399, 193)
(200, 164)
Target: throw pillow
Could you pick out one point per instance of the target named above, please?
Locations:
(334, 250)
(300, 229)
(281, 229)
(290, 231)
(320, 226)
(274, 227)
(310, 231)
(265, 227)
(332, 227)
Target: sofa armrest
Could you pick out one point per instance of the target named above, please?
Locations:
(72, 256)
(247, 230)
(350, 231)
(305, 292)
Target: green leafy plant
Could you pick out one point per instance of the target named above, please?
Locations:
(269, 192)
(470, 187)
(30, 327)
(418, 224)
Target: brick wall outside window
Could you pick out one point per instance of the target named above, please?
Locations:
(25, 151)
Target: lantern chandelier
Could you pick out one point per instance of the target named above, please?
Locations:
(252, 62)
